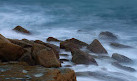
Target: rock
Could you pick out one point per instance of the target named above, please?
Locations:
(101, 76)
(55, 48)
(66, 55)
(96, 47)
(28, 41)
(80, 57)
(117, 45)
(107, 35)
(62, 60)
(20, 43)
(121, 58)
(9, 51)
(3, 39)
(21, 30)
(67, 66)
(18, 72)
(123, 67)
(71, 44)
(44, 56)
(52, 39)
(27, 57)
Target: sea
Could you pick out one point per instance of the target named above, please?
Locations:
(80, 19)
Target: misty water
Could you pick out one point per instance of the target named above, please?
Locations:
(63, 19)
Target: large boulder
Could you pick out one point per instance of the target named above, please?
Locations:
(21, 72)
(96, 47)
(121, 58)
(107, 35)
(21, 30)
(71, 44)
(80, 57)
(44, 56)
(52, 39)
(9, 51)
(27, 57)
(118, 45)
(55, 48)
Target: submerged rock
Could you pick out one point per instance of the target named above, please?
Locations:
(52, 39)
(21, 30)
(123, 67)
(107, 35)
(20, 72)
(121, 58)
(80, 57)
(117, 45)
(71, 44)
(102, 76)
(96, 47)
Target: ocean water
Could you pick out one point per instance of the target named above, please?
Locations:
(63, 18)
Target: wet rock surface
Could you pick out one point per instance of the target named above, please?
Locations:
(107, 36)
(72, 44)
(130, 69)
(96, 47)
(21, 30)
(52, 39)
(121, 58)
(20, 72)
(80, 57)
(118, 45)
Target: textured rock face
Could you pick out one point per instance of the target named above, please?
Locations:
(117, 45)
(55, 48)
(44, 56)
(21, 30)
(96, 47)
(9, 51)
(80, 57)
(52, 39)
(22, 72)
(107, 35)
(71, 44)
(121, 58)
(20, 43)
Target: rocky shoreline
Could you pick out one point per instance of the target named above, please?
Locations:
(35, 60)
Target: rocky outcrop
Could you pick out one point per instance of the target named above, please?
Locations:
(44, 56)
(118, 45)
(20, 43)
(9, 51)
(121, 58)
(107, 36)
(96, 47)
(21, 72)
(71, 44)
(52, 39)
(55, 48)
(27, 57)
(21, 30)
(80, 57)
